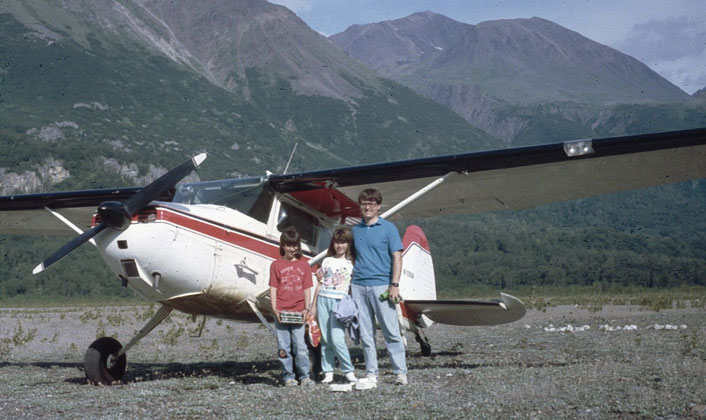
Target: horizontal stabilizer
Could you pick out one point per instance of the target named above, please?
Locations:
(469, 312)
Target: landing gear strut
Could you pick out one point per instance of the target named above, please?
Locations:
(105, 360)
(423, 341)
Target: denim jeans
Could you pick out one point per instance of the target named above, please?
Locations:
(288, 335)
(369, 308)
(333, 336)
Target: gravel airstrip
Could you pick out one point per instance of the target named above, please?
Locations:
(621, 362)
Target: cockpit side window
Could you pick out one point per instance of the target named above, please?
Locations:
(307, 225)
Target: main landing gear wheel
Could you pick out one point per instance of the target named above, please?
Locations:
(99, 364)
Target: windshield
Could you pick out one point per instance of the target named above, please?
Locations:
(248, 195)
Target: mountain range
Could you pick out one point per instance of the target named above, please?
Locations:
(513, 78)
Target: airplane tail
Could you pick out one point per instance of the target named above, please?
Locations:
(417, 281)
(418, 289)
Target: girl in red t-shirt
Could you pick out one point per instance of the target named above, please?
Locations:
(290, 289)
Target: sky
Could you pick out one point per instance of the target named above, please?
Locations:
(667, 35)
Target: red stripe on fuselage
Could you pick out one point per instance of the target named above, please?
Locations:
(221, 233)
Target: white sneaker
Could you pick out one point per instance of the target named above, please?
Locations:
(328, 378)
(401, 379)
(350, 377)
(372, 377)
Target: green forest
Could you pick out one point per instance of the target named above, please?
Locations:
(650, 238)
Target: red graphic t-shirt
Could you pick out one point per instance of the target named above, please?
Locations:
(290, 278)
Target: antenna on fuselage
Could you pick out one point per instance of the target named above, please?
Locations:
(290, 158)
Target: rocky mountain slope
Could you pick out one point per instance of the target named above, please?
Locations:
(227, 38)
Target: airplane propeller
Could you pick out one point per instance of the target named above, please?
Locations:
(117, 215)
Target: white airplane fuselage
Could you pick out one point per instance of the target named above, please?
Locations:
(202, 259)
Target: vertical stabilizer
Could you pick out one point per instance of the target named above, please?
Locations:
(417, 280)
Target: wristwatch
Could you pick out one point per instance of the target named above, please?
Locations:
(395, 284)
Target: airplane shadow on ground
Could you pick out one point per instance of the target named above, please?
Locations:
(268, 371)
(248, 372)
(242, 372)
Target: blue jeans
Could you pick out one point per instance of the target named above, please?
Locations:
(288, 334)
(369, 308)
(333, 337)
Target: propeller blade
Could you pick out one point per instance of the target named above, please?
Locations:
(163, 183)
(68, 247)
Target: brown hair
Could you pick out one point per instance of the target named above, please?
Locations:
(370, 194)
(345, 235)
(290, 236)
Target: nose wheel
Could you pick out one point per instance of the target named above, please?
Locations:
(100, 364)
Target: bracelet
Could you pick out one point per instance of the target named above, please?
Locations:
(395, 284)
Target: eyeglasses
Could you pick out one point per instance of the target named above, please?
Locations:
(365, 204)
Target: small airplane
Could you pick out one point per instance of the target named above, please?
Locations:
(204, 248)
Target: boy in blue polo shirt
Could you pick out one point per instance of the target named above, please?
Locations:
(377, 268)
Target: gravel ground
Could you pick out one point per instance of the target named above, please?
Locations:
(547, 365)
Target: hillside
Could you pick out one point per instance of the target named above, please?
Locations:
(510, 77)
(105, 93)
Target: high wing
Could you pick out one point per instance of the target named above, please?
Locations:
(517, 178)
(477, 182)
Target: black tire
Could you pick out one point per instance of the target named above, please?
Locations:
(95, 362)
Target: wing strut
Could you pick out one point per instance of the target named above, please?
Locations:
(68, 223)
(397, 207)
(414, 197)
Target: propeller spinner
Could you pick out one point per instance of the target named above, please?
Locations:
(117, 215)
